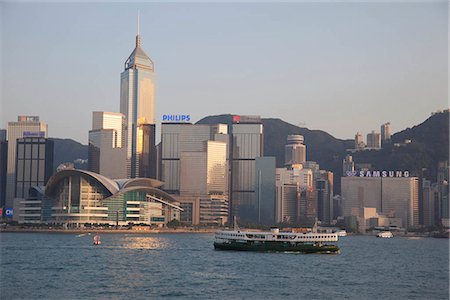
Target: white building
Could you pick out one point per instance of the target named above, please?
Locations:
(397, 197)
(294, 151)
(26, 126)
(107, 154)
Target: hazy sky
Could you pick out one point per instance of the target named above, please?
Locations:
(338, 67)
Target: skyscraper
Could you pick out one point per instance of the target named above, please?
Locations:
(26, 126)
(348, 165)
(106, 145)
(246, 146)
(295, 151)
(373, 140)
(137, 103)
(359, 143)
(385, 132)
(293, 194)
(34, 164)
(3, 166)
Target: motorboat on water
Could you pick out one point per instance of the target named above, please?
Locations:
(385, 234)
(341, 233)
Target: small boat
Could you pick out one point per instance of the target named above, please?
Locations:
(341, 233)
(385, 234)
(97, 240)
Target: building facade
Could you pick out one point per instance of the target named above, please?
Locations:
(3, 167)
(324, 189)
(34, 164)
(265, 189)
(359, 143)
(194, 168)
(295, 203)
(294, 151)
(394, 196)
(137, 104)
(385, 132)
(107, 152)
(26, 126)
(246, 145)
(76, 197)
(374, 140)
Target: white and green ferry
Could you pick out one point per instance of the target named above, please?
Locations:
(276, 240)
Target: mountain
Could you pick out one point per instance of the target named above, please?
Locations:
(67, 150)
(429, 144)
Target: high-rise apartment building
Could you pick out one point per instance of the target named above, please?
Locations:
(246, 145)
(34, 164)
(3, 166)
(107, 152)
(359, 143)
(294, 195)
(443, 190)
(137, 103)
(265, 189)
(385, 132)
(324, 189)
(295, 151)
(373, 140)
(430, 205)
(348, 165)
(394, 196)
(26, 126)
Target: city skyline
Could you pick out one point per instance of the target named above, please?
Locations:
(397, 65)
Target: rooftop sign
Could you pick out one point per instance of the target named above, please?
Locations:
(377, 173)
(176, 118)
(27, 134)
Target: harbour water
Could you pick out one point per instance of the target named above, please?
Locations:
(185, 266)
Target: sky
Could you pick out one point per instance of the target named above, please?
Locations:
(340, 67)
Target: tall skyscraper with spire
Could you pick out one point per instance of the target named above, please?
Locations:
(137, 103)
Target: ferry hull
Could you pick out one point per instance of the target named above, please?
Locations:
(276, 247)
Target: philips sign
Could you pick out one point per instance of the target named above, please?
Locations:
(176, 118)
(377, 174)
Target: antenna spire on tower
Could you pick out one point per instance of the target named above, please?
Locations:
(138, 38)
(138, 22)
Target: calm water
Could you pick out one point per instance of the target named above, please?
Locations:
(185, 266)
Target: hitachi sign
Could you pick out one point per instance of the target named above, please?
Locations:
(176, 118)
(377, 173)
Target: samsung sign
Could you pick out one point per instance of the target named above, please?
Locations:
(176, 118)
(377, 173)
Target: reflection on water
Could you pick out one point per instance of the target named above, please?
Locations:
(151, 243)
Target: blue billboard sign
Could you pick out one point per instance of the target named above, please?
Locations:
(176, 118)
(33, 134)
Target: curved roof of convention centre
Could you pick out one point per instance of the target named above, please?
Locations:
(110, 185)
(147, 189)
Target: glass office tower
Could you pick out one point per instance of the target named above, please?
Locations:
(137, 103)
(246, 146)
